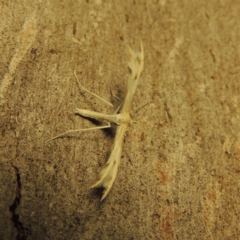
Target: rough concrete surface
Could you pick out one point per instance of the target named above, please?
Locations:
(180, 167)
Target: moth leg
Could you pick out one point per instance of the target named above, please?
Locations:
(84, 89)
(80, 130)
(114, 95)
(115, 112)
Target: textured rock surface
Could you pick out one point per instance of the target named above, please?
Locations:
(179, 174)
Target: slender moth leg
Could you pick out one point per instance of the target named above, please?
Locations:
(80, 130)
(86, 90)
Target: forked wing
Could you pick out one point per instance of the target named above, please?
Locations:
(109, 172)
(135, 65)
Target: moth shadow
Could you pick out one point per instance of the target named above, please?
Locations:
(96, 193)
(109, 132)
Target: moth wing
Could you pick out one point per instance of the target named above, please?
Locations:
(135, 64)
(109, 172)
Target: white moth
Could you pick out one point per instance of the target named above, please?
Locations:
(122, 119)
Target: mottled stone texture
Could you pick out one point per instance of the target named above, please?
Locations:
(180, 168)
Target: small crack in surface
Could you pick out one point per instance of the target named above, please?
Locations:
(23, 232)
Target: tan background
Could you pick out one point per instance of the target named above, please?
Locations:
(180, 169)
